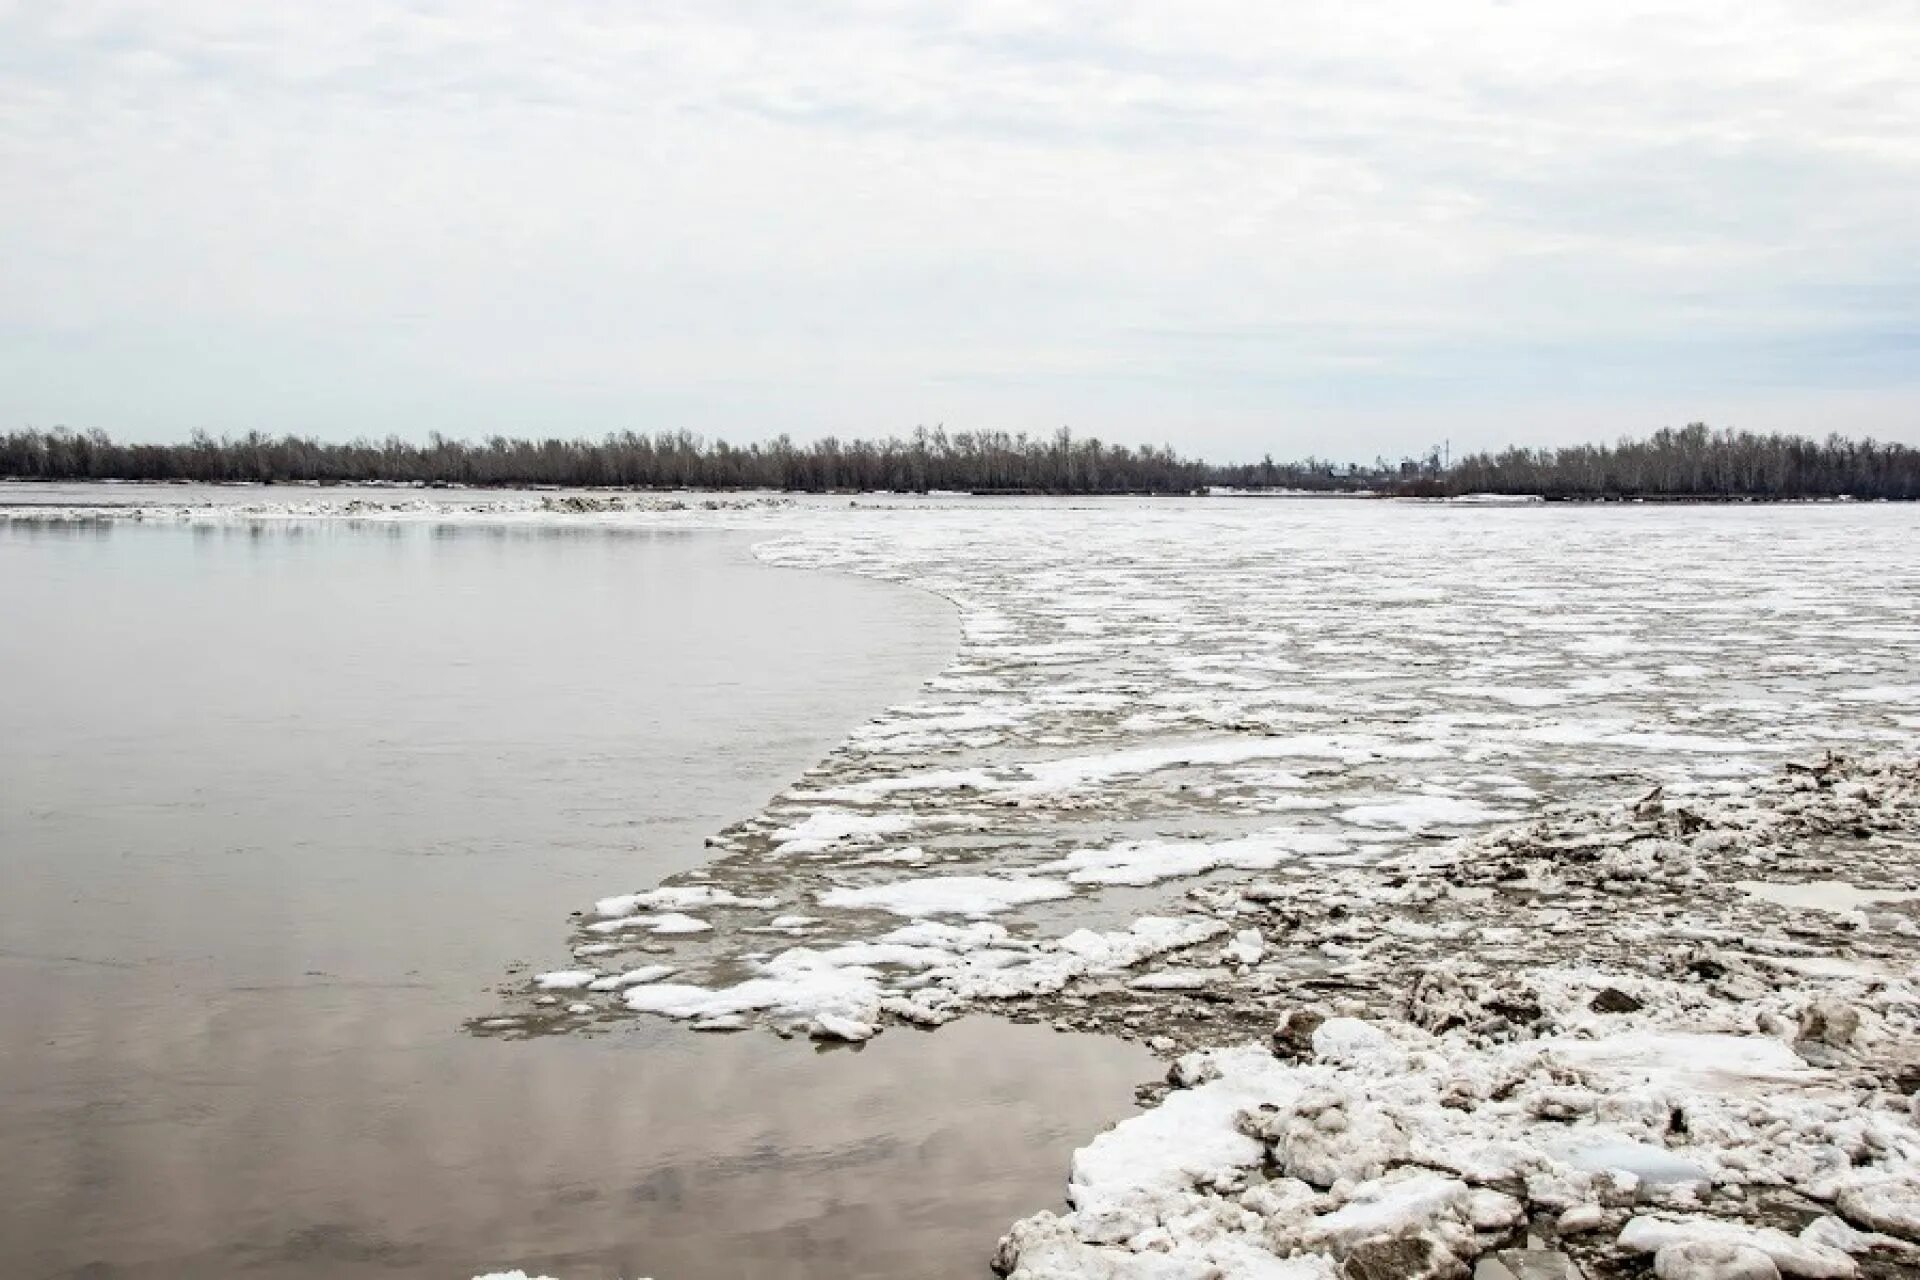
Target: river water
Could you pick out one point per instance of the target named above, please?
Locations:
(280, 803)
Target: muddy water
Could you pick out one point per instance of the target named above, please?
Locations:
(278, 805)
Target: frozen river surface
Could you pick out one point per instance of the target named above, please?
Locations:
(1149, 694)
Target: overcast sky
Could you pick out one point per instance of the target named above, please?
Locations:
(1345, 229)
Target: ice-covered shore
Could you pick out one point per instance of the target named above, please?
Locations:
(1658, 1030)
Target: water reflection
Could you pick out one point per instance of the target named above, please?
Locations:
(328, 1131)
(276, 806)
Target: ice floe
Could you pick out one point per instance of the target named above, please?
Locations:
(948, 895)
(1628, 1074)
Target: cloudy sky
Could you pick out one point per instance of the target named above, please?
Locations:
(1340, 228)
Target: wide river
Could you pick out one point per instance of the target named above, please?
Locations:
(281, 804)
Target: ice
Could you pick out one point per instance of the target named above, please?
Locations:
(674, 898)
(668, 922)
(1400, 1206)
(826, 828)
(1145, 862)
(996, 975)
(1418, 813)
(1792, 1255)
(1082, 771)
(1688, 1060)
(675, 922)
(1412, 1135)
(796, 986)
(1685, 742)
(1191, 980)
(1045, 1248)
(882, 788)
(1651, 1164)
(565, 979)
(1826, 966)
(1897, 694)
(1579, 1091)
(1191, 1138)
(1883, 1201)
(1515, 695)
(948, 895)
(948, 937)
(831, 1026)
(1246, 948)
(901, 955)
(1350, 1042)
(632, 977)
(1834, 896)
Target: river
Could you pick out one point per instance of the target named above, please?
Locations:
(281, 804)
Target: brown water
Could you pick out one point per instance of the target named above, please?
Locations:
(278, 805)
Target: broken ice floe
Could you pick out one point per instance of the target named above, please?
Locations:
(948, 895)
(1648, 1067)
(1140, 694)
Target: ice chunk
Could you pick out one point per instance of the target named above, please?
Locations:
(1792, 1255)
(1836, 897)
(1406, 1202)
(676, 922)
(949, 895)
(1418, 813)
(1884, 1202)
(1176, 980)
(1246, 947)
(668, 922)
(1692, 1060)
(831, 1026)
(1361, 1046)
(797, 986)
(1189, 1139)
(675, 898)
(825, 828)
(565, 979)
(1654, 1166)
(633, 977)
(1148, 861)
(1712, 1260)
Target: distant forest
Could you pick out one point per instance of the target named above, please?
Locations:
(1691, 462)
(1694, 462)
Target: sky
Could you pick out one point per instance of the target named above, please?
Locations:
(1237, 226)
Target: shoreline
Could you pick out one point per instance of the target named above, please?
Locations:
(740, 1131)
(1214, 493)
(867, 892)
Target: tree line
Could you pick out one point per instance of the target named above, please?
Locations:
(1694, 462)
(973, 461)
(1690, 462)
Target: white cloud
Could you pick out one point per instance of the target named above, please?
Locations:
(1236, 225)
